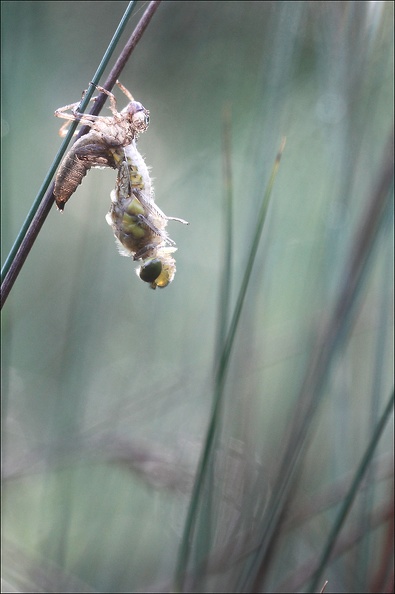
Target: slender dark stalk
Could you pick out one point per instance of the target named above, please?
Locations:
(43, 203)
(349, 500)
(124, 57)
(332, 336)
(347, 542)
(203, 537)
(226, 281)
(219, 384)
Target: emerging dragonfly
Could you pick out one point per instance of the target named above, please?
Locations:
(99, 147)
(138, 224)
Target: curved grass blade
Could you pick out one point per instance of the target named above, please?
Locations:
(219, 383)
(329, 342)
(205, 524)
(226, 281)
(348, 501)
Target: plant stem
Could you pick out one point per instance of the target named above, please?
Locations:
(45, 198)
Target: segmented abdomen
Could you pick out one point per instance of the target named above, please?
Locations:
(89, 151)
(70, 175)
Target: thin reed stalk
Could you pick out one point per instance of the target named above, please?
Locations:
(45, 198)
(219, 384)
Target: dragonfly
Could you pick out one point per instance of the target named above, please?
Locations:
(139, 225)
(100, 146)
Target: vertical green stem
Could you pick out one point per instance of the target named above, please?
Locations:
(186, 543)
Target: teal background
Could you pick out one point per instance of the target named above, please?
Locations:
(107, 385)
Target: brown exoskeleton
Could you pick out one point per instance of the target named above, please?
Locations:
(100, 147)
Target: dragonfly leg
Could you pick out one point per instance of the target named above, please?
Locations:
(125, 91)
(113, 101)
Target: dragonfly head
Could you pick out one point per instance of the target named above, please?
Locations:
(158, 272)
(138, 115)
(150, 270)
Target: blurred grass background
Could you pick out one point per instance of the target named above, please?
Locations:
(107, 386)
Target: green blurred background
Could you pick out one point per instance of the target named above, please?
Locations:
(107, 385)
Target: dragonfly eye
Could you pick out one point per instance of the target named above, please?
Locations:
(139, 115)
(150, 270)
